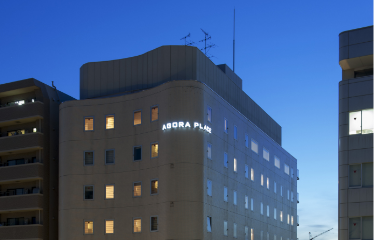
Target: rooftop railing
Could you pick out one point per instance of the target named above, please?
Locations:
(21, 161)
(20, 221)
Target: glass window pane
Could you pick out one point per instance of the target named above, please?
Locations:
(137, 117)
(137, 153)
(208, 224)
(154, 223)
(88, 192)
(88, 227)
(235, 202)
(252, 174)
(367, 174)
(88, 158)
(154, 186)
(154, 113)
(225, 195)
(88, 124)
(225, 228)
(254, 146)
(355, 175)
(287, 169)
(235, 165)
(109, 226)
(137, 189)
(209, 117)
(246, 140)
(109, 156)
(225, 161)
(109, 191)
(262, 209)
(354, 122)
(137, 225)
(226, 127)
(209, 151)
(277, 162)
(252, 204)
(262, 180)
(154, 150)
(235, 234)
(367, 227)
(367, 121)
(246, 202)
(109, 122)
(265, 154)
(235, 132)
(267, 183)
(209, 187)
(252, 234)
(355, 227)
(246, 170)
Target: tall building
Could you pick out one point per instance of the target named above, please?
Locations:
(166, 145)
(29, 130)
(356, 134)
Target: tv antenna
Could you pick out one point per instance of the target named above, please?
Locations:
(310, 234)
(206, 38)
(233, 58)
(189, 43)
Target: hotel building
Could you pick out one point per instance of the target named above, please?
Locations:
(166, 145)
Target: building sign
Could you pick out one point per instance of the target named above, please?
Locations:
(186, 125)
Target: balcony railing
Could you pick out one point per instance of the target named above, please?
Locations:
(20, 221)
(19, 132)
(18, 103)
(21, 161)
(20, 191)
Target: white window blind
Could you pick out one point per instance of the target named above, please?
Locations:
(109, 122)
(276, 162)
(265, 154)
(109, 191)
(235, 165)
(88, 123)
(254, 146)
(252, 174)
(109, 226)
(137, 225)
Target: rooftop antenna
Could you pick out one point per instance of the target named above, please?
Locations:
(206, 38)
(185, 39)
(233, 67)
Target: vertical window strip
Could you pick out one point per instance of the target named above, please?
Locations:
(109, 226)
(109, 122)
(154, 113)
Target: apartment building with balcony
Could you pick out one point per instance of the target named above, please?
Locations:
(166, 145)
(29, 160)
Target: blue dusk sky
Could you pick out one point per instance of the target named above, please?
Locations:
(286, 53)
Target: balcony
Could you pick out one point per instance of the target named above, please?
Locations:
(31, 230)
(21, 203)
(21, 172)
(20, 192)
(18, 114)
(21, 140)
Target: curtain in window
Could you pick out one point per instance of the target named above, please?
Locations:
(88, 227)
(109, 191)
(88, 124)
(137, 189)
(109, 156)
(137, 118)
(137, 225)
(88, 158)
(154, 113)
(154, 150)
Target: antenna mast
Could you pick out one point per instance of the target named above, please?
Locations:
(233, 67)
(206, 38)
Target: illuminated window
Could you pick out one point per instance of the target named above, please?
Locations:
(225, 194)
(361, 122)
(88, 123)
(235, 132)
(292, 220)
(34, 130)
(286, 169)
(254, 146)
(137, 225)
(262, 209)
(246, 169)
(275, 213)
(88, 227)
(209, 224)
(267, 183)
(88, 192)
(154, 113)
(275, 187)
(137, 189)
(154, 223)
(137, 153)
(235, 193)
(288, 218)
(265, 154)
(209, 187)
(209, 150)
(246, 202)
(225, 160)
(246, 232)
(277, 162)
(109, 191)
(252, 234)
(246, 140)
(235, 234)
(109, 226)
(138, 117)
(154, 186)
(225, 228)
(209, 114)
(262, 180)
(267, 211)
(252, 174)
(154, 150)
(109, 122)
(235, 165)
(88, 158)
(251, 204)
(226, 126)
(109, 156)
(281, 216)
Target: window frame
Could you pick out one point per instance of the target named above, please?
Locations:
(225, 161)
(207, 187)
(133, 153)
(141, 224)
(235, 132)
(246, 140)
(207, 155)
(133, 189)
(84, 226)
(235, 197)
(113, 191)
(114, 157)
(150, 154)
(226, 124)
(84, 123)
(225, 196)
(254, 141)
(211, 114)
(235, 165)
(225, 231)
(264, 149)
(246, 171)
(150, 223)
(105, 226)
(133, 117)
(150, 117)
(114, 123)
(150, 184)
(84, 158)
(210, 219)
(84, 192)
(279, 161)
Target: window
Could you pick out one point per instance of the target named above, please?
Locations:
(252, 174)
(265, 154)
(251, 204)
(262, 180)
(109, 156)
(137, 117)
(246, 232)
(154, 150)
(291, 172)
(235, 234)
(262, 235)
(252, 234)
(154, 223)
(288, 194)
(225, 195)
(209, 114)
(137, 189)
(277, 162)
(88, 227)
(267, 211)
(361, 175)
(109, 122)
(267, 183)
(361, 122)
(109, 191)
(246, 140)
(262, 209)
(235, 202)
(88, 192)
(225, 161)
(288, 218)
(291, 196)
(225, 229)
(154, 113)
(246, 171)
(88, 124)
(246, 202)
(281, 191)
(154, 186)
(88, 158)
(292, 220)
(281, 216)
(286, 169)
(267, 236)
(275, 187)
(209, 151)
(275, 213)
(109, 226)
(209, 224)
(235, 132)
(367, 227)
(235, 165)
(226, 126)
(275, 237)
(137, 225)
(254, 146)
(137, 153)
(209, 187)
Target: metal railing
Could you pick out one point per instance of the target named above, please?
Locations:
(19, 162)
(18, 103)
(19, 132)
(17, 192)
(20, 221)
